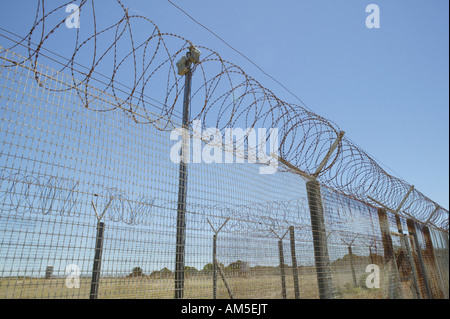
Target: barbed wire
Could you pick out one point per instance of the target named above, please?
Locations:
(224, 94)
(35, 194)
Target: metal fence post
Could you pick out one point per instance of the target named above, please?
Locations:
(182, 193)
(96, 269)
(370, 253)
(405, 247)
(322, 259)
(393, 276)
(222, 274)
(431, 259)
(355, 282)
(443, 259)
(97, 261)
(294, 263)
(214, 266)
(416, 290)
(416, 247)
(283, 275)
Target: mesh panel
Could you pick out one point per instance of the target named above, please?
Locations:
(89, 204)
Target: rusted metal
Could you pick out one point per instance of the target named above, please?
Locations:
(418, 259)
(430, 261)
(394, 289)
(408, 268)
(441, 254)
(404, 200)
(401, 256)
(415, 284)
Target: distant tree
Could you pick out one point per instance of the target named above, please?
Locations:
(209, 267)
(136, 272)
(188, 268)
(190, 271)
(239, 267)
(163, 273)
(165, 270)
(236, 265)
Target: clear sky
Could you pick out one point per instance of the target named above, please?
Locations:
(387, 87)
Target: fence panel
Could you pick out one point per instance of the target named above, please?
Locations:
(89, 210)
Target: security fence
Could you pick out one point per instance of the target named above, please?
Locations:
(91, 198)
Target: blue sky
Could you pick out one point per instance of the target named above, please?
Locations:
(387, 88)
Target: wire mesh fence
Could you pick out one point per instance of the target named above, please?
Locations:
(89, 210)
(94, 206)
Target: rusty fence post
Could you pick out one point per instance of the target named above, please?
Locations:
(393, 276)
(437, 288)
(414, 286)
(321, 256)
(416, 248)
(442, 259)
(444, 254)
